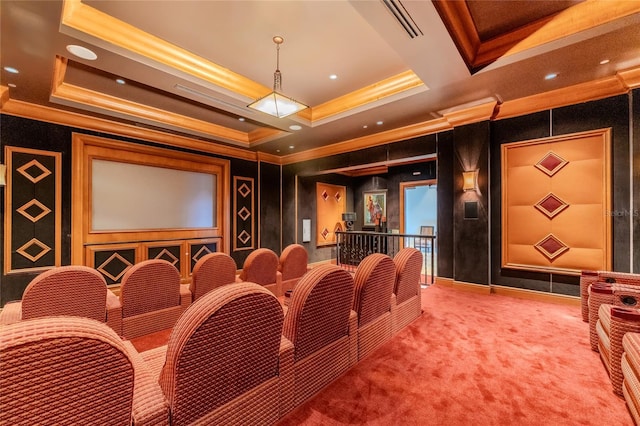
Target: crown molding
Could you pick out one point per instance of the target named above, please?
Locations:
(630, 78)
(389, 136)
(584, 92)
(80, 121)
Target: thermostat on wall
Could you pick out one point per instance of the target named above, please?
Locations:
(306, 230)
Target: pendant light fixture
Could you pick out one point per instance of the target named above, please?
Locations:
(275, 103)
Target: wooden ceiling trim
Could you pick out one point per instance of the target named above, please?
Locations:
(394, 135)
(374, 92)
(268, 158)
(93, 99)
(88, 20)
(630, 77)
(264, 134)
(470, 115)
(589, 91)
(457, 18)
(581, 17)
(80, 121)
(4, 95)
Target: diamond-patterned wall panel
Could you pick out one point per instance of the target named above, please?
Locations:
(243, 218)
(113, 263)
(33, 226)
(551, 246)
(169, 253)
(551, 163)
(551, 205)
(330, 204)
(199, 249)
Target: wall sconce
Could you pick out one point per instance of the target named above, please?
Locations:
(470, 180)
(3, 175)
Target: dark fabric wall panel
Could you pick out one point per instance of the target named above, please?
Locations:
(614, 113)
(635, 116)
(444, 240)
(270, 207)
(245, 169)
(471, 235)
(26, 133)
(289, 204)
(413, 147)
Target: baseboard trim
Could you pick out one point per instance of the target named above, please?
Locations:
(519, 293)
(522, 293)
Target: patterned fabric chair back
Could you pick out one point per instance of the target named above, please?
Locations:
(212, 271)
(408, 263)
(374, 281)
(224, 345)
(149, 286)
(319, 309)
(64, 370)
(67, 290)
(260, 267)
(293, 261)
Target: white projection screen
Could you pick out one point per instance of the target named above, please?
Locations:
(128, 197)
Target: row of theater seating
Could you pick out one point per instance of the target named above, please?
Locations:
(611, 306)
(151, 296)
(236, 355)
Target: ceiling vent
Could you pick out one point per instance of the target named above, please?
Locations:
(399, 12)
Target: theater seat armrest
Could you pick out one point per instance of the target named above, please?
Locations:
(114, 312)
(286, 375)
(150, 407)
(353, 337)
(12, 312)
(185, 295)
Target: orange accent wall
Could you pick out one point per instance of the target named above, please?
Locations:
(330, 202)
(556, 203)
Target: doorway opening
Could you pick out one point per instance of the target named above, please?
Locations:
(419, 216)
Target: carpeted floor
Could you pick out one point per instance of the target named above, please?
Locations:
(475, 359)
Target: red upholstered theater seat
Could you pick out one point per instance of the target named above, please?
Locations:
(74, 371)
(66, 290)
(261, 267)
(293, 264)
(226, 360)
(152, 298)
(212, 271)
(406, 300)
(374, 282)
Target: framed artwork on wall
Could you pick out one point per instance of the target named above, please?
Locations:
(375, 207)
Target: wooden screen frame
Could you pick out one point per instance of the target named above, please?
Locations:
(605, 237)
(86, 148)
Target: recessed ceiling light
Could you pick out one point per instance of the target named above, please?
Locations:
(241, 118)
(333, 77)
(120, 81)
(365, 126)
(82, 52)
(604, 62)
(12, 70)
(380, 123)
(417, 173)
(291, 147)
(277, 150)
(12, 85)
(550, 76)
(295, 127)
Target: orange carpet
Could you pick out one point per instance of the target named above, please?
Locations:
(475, 360)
